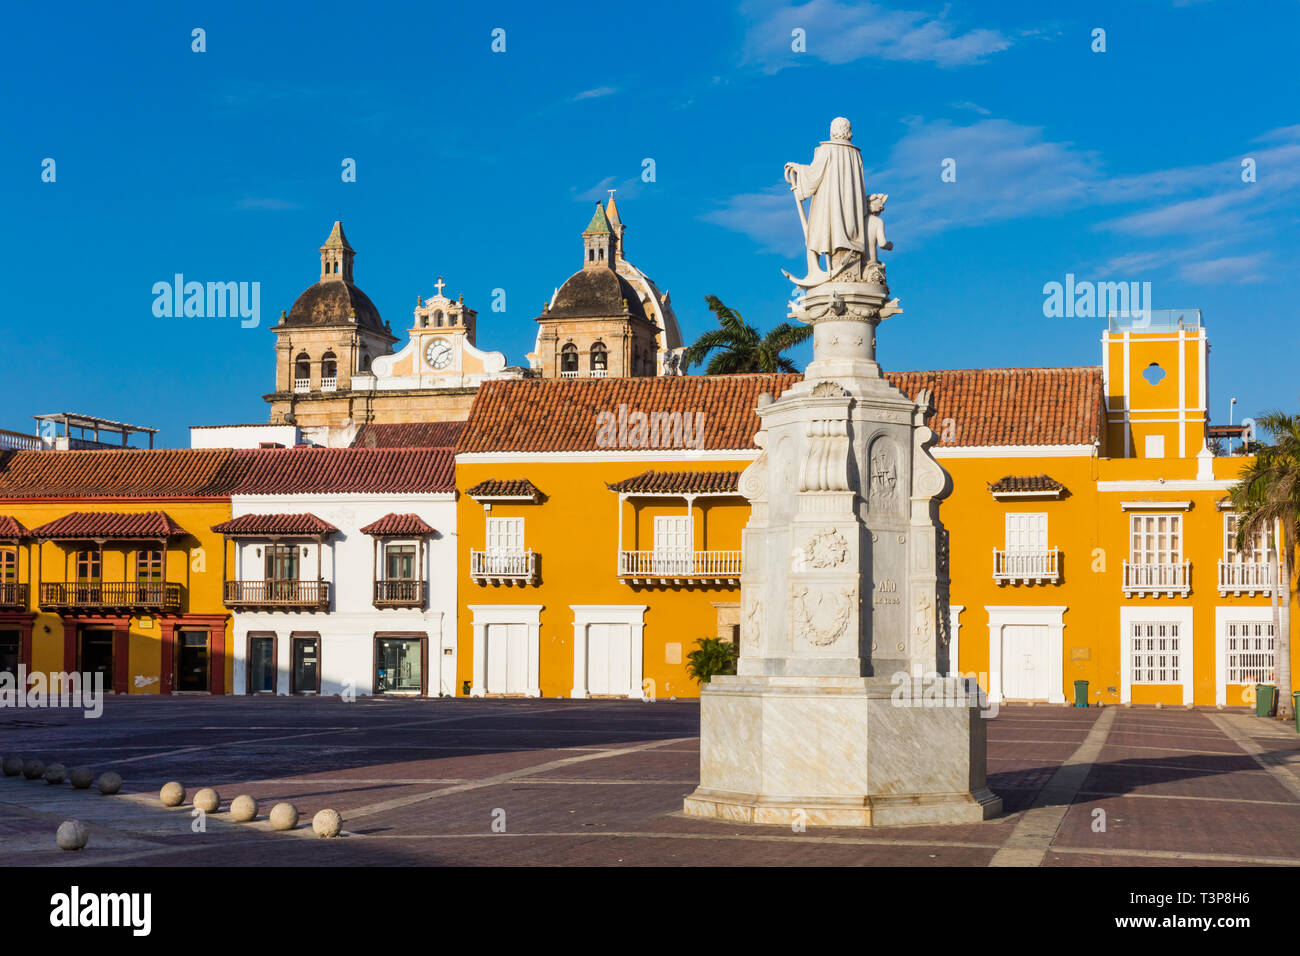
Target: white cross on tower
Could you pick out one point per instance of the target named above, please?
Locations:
(439, 284)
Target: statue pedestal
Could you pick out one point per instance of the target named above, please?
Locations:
(846, 752)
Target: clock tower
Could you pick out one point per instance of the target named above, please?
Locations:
(440, 330)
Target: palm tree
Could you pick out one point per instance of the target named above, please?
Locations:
(741, 348)
(1267, 496)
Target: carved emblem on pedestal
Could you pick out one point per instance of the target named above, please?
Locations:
(827, 549)
(884, 477)
(822, 616)
(829, 388)
(923, 628)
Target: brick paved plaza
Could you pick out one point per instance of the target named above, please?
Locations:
(601, 782)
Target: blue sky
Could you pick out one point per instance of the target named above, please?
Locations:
(482, 167)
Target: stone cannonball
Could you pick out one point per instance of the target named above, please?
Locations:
(284, 816)
(72, 835)
(172, 794)
(110, 782)
(327, 823)
(55, 773)
(13, 765)
(81, 777)
(207, 800)
(243, 808)
(33, 769)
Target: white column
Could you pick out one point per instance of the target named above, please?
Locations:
(479, 685)
(637, 653)
(579, 690)
(534, 653)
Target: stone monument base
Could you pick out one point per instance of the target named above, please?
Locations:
(841, 751)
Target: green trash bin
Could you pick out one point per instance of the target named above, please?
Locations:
(1081, 693)
(1295, 710)
(1265, 700)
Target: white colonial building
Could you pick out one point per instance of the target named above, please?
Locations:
(340, 567)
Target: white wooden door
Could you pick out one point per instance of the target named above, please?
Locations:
(674, 543)
(1025, 674)
(507, 658)
(609, 659)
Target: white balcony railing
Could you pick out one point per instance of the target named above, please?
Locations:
(502, 566)
(599, 372)
(665, 566)
(1237, 577)
(302, 385)
(573, 374)
(330, 384)
(1167, 579)
(1017, 567)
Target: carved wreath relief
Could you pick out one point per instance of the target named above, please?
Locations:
(827, 549)
(822, 615)
(753, 622)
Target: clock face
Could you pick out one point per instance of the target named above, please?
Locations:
(438, 353)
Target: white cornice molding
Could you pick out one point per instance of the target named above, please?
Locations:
(1174, 484)
(1012, 451)
(1156, 505)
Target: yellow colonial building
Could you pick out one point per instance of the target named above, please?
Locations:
(108, 565)
(599, 524)
(1087, 536)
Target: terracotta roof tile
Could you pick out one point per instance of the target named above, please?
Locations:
(259, 526)
(510, 488)
(121, 473)
(678, 482)
(1011, 406)
(106, 524)
(413, 435)
(540, 415)
(999, 406)
(404, 525)
(1026, 484)
(11, 527)
(289, 471)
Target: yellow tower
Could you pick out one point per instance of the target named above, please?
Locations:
(1154, 366)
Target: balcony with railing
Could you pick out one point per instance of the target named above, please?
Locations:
(679, 567)
(110, 596)
(399, 592)
(570, 373)
(278, 595)
(301, 385)
(13, 597)
(329, 384)
(1027, 567)
(1170, 580)
(599, 373)
(503, 567)
(1237, 577)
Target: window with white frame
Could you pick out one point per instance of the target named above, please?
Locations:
(1156, 539)
(1251, 652)
(1259, 551)
(1156, 649)
(674, 543)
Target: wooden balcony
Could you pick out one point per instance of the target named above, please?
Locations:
(399, 592)
(679, 567)
(1027, 567)
(13, 597)
(278, 595)
(112, 595)
(503, 567)
(1237, 578)
(1171, 580)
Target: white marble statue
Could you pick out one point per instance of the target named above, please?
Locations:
(837, 212)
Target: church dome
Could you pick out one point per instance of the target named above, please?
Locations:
(593, 293)
(332, 302)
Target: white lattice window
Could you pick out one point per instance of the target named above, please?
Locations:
(1156, 539)
(1251, 652)
(1260, 551)
(1026, 533)
(1157, 652)
(505, 535)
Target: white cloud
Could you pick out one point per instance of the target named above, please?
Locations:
(597, 92)
(842, 32)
